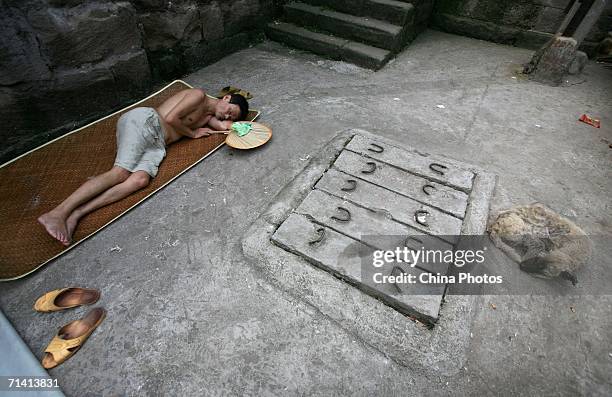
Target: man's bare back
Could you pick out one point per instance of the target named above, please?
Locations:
(192, 113)
(193, 120)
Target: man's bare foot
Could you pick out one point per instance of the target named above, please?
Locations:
(71, 223)
(55, 226)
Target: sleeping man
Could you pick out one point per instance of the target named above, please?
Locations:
(142, 137)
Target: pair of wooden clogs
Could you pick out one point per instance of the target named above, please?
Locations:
(71, 336)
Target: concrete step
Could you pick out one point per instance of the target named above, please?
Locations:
(423, 10)
(393, 11)
(329, 46)
(366, 30)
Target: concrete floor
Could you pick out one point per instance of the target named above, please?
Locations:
(187, 313)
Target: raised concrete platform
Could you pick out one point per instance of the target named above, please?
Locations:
(324, 215)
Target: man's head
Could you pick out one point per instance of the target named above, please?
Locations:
(232, 107)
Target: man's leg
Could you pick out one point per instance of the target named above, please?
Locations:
(55, 220)
(138, 180)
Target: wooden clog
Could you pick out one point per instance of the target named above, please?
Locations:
(71, 337)
(66, 298)
(233, 90)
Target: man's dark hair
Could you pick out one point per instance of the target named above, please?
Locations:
(237, 99)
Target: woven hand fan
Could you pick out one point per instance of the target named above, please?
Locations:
(247, 135)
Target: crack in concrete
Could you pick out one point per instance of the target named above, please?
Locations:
(470, 126)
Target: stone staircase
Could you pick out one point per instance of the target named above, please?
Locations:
(367, 33)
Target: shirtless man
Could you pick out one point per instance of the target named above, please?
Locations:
(142, 136)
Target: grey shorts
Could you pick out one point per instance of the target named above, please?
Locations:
(140, 141)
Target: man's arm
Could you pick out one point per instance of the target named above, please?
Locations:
(219, 125)
(192, 99)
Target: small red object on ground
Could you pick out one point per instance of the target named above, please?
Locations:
(589, 120)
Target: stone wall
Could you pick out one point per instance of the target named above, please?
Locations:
(524, 23)
(66, 62)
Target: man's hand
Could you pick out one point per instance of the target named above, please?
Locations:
(201, 132)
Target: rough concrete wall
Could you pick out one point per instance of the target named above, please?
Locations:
(63, 62)
(599, 31)
(525, 23)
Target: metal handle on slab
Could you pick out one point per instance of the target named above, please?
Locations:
(427, 189)
(438, 168)
(420, 216)
(370, 170)
(346, 215)
(352, 185)
(376, 148)
(412, 238)
(320, 236)
(397, 271)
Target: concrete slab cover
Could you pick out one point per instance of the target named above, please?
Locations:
(311, 239)
(397, 180)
